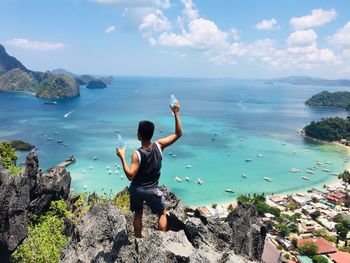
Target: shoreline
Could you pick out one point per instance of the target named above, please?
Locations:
(332, 183)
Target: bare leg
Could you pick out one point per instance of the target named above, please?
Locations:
(162, 223)
(138, 223)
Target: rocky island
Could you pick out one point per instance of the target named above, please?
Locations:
(16, 77)
(84, 79)
(79, 228)
(96, 84)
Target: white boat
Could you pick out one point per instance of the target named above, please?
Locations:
(310, 172)
(116, 172)
(91, 167)
(189, 166)
(228, 154)
(118, 167)
(178, 179)
(121, 177)
(110, 172)
(229, 190)
(260, 155)
(173, 155)
(329, 162)
(244, 175)
(108, 167)
(50, 139)
(267, 179)
(84, 171)
(94, 158)
(85, 186)
(241, 139)
(335, 174)
(326, 170)
(187, 179)
(199, 181)
(305, 178)
(294, 170)
(248, 160)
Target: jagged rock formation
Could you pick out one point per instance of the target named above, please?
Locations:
(105, 233)
(187, 240)
(31, 191)
(96, 84)
(16, 77)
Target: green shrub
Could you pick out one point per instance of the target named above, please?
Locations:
(45, 239)
(122, 201)
(319, 259)
(7, 155)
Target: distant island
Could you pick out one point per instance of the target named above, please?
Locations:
(304, 80)
(339, 99)
(14, 76)
(96, 84)
(84, 79)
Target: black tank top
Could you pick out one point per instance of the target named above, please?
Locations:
(150, 164)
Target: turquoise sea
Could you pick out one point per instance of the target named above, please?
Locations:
(225, 122)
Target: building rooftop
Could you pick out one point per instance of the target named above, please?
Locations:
(324, 247)
(340, 257)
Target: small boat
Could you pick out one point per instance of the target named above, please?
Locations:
(328, 162)
(117, 131)
(108, 167)
(173, 155)
(60, 141)
(267, 179)
(294, 170)
(244, 175)
(199, 181)
(91, 167)
(187, 179)
(118, 167)
(260, 155)
(178, 179)
(228, 154)
(326, 170)
(121, 177)
(49, 139)
(55, 133)
(66, 145)
(229, 190)
(241, 139)
(189, 166)
(116, 172)
(50, 102)
(335, 174)
(310, 172)
(94, 158)
(84, 171)
(305, 178)
(85, 186)
(248, 160)
(110, 172)
(170, 153)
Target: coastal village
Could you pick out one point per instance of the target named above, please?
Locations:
(309, 227)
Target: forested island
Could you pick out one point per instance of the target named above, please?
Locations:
(14, 76)
(339, 99)
(329, 129)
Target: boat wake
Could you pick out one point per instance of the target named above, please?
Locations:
(67, 114)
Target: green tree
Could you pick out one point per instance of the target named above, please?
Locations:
(7, 155)
(308, 249)
(315, 215)
(283, 229)
(319, 259)
(345, 176)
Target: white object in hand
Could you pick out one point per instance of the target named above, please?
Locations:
(120, 141)
(173, 100)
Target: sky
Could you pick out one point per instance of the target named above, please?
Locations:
(180, 38)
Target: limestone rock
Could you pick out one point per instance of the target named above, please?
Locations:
(98, 237)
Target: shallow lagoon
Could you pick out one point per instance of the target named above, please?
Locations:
(225, 122)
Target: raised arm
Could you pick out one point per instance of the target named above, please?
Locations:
(131, 171)
(169, 140)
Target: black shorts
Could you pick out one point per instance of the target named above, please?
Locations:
(153, 197)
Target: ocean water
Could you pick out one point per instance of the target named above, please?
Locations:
(225, 122)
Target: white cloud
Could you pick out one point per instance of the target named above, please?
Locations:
(234, 33)
(110, 29)
(342, 37)
(270, 24)
(318, 17)
(155, 22)
(302, 37)
(190, 10)
(35, 45)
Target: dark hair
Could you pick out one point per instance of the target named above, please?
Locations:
(146, 130)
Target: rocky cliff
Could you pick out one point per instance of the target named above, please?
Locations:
(16, 77)
(105, 233)
(29, 192)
